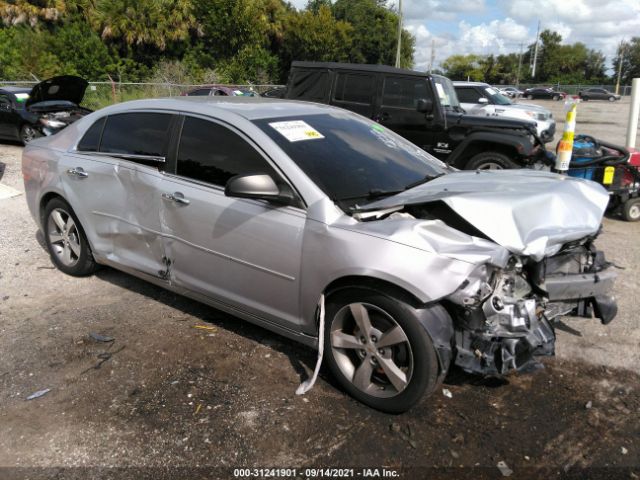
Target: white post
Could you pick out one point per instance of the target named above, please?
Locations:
(634, 110)
(399, 34)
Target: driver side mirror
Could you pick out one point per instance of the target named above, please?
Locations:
(425, 105)
(261, 187)
(483, 101)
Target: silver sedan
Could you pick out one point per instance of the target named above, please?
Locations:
(329, 229)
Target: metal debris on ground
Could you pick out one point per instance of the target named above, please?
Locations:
(447, 393)
(504, 469)
(101, 338)
(38, 394)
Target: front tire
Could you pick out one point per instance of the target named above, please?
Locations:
(556, 98)
(490, 161)
(530, 97)
(66, 241)
(377, 349)
(28, 133)
(612, 99)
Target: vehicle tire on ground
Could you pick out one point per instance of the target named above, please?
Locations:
(66, 241)
(631, 210)
(612, 98)
(556, 98)
(530, 97)
(28, 133)
(377, 349)
(490, 161)
(584, 99)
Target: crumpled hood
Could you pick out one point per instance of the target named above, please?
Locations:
(63, 87)
(528, 212)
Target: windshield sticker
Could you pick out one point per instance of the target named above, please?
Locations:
(296, 130)
(21, 97)
(377, 127)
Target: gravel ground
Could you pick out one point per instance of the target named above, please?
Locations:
(168, 400)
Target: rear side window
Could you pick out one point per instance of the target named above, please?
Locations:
(353, 88)
(137, 134)
(91, 140)
(212, 153)
(309, 85)
(404, 92)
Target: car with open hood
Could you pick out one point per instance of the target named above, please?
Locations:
(27, 113)
(330, 229)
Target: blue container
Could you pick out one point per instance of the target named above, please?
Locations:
(584, 150)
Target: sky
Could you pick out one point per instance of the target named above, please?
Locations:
(501, 26)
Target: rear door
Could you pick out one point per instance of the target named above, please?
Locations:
(113, 180)
(354, 91)
(6, 108)
(243, 252)
(400, 95)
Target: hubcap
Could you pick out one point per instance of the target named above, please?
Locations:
(63, 237)
(634, 211)
(372, 350)
(28, 134)
(490, 166)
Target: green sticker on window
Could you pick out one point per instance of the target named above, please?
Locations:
(377, 128)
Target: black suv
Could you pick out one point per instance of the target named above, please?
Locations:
(422, 108)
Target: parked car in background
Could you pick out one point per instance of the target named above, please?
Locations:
(313, 221)
(511, 92)
(479, 98)
(598, 94)
(424, 109)
(27, 113)
(277, 92)
(220, 91)
(543, 93)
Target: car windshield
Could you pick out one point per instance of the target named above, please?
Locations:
(497, 97)
(446, 93)
(352, 159)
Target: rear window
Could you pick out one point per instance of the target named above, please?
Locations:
(353, 88)
(309, 85)
(202, 92)
(137, 133)
(91, 140)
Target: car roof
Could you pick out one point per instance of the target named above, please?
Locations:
(360, 67)
(11, 89)
(251, 108)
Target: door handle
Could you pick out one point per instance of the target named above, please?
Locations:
(77, 172)
(176, 197)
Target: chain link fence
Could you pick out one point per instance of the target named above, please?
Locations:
(625, 90)
(102, 94)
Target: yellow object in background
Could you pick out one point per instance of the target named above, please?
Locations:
(565, 147)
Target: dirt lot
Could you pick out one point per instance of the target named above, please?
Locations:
(168, 400)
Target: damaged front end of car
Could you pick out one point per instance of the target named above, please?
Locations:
(505, 316)
(504, 311)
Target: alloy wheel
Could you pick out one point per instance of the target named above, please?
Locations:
(28, 133)
(372, 350)
(63, 237)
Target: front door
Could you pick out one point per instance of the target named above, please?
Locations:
(242, 252)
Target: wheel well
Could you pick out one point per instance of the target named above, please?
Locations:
(480, 147)
(45, 200)
(377, 284)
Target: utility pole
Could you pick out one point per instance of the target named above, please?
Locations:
(622, 49)
(535, 52)
(433, 55)
(519, 66)
(399, 33)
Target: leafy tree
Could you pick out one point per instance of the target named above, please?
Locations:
(630, 53)
(463, 67)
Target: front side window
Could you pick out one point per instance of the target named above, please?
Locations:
(211, 153)
(137, 134)
(404, 92)
(202, 92)
(446, 92)
(467, 95)
(354, 88)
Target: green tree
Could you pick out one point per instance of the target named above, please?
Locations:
(630, 54)
(463, 67)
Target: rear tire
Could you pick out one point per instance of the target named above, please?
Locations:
(490, 161)
(377, 349)
(556, 98)
(631, 210)
(530, 97)
(66, 241)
